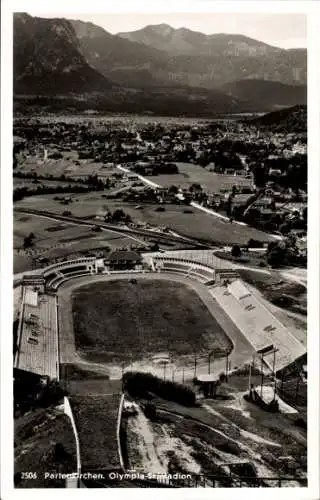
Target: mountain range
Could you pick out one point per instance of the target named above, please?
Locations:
(158, 69)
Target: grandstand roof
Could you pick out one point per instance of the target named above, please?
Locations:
(123, 255)
(208, 378)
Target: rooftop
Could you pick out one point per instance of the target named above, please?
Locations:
(124, 255)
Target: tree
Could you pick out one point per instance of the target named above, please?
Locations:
(150, 411)
(118, 215)
(203, 159)
(277, 254)
(28, 241)
(195, 188)
(173, 189)
(285, 227)
(236, 251)
(305, 214)
(260, 176)
(229, 206)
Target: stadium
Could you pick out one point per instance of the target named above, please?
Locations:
(176, 315)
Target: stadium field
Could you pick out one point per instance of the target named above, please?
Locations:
(119, 320)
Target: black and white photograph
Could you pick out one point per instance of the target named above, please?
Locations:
(160, 247)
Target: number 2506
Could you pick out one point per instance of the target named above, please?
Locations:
(29, 475)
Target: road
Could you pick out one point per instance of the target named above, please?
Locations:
(292, 274)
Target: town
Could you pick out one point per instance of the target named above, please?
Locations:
(240, 171)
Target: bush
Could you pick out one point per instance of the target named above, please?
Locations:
(28, 241)
(252, 243)
(236, 251)
(245, 369)
(150, 411)
(140, 384)
(229, 447)
(55, 155)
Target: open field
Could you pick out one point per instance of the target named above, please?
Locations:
(47, 233)
(122, 119)
(210, 181)
(65, 166)
(81, 205)
(252, 259)
(19, 182)
(280, 292)
(180, 367)
(195, 225)
(21, 263)
(54, 240)
(118, 320)
(36, 434)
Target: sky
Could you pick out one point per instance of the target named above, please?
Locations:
(282, 30)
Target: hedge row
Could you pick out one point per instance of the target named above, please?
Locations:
(139, 384)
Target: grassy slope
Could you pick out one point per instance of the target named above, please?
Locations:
(96, 421)
(273, 289)
(36, 433)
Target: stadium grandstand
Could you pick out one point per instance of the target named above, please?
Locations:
(38, 335)
(263, 330)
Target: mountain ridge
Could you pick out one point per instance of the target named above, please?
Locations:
(56, 58)
(165, 30)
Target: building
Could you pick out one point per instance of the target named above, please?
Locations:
(123, 259)
(208, 384)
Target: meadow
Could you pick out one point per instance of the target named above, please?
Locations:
(196, 224)
(69, 165)
(195, 174)
(54, 240)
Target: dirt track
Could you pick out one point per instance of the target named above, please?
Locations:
(241, 353)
